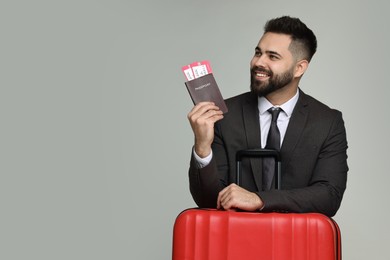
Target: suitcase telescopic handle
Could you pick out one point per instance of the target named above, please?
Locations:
(259, 153)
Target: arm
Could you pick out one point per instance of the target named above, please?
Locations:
(327, 180)
(204, 181)
(208, 185)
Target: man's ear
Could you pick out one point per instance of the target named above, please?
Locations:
(300, 68)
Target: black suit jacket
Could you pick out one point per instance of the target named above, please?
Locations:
(313, 154)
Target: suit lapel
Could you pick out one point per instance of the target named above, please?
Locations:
(295, 128)
(251, 122)
(252, 130)
(293, 133)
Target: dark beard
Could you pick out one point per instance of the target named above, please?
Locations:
(275, 82)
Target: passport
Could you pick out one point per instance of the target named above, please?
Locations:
(205, 88)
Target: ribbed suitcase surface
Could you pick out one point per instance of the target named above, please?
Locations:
(228, 235)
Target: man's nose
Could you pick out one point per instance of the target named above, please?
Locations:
(259, 61)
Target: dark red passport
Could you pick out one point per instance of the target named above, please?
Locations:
(205, 88)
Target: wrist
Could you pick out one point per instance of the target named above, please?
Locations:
(201, 151)
(260, 204)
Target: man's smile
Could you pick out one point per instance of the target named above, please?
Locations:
(261, 74)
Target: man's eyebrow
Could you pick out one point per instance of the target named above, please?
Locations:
(273, 53)
(269, 52)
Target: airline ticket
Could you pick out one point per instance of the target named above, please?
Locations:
(196, 69)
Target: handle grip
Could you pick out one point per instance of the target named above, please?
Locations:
(259, 153)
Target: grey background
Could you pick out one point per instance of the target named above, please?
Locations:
(95, 142)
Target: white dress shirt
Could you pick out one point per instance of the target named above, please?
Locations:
(283, 118)
(265, 123)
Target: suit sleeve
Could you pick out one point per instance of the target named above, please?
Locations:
(207, 182)
(327, 184)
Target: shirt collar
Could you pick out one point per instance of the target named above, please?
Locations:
(287, 107)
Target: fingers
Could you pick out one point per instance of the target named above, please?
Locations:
(204, 115)
(204, 106)
(202, 119)
(204, 110)
(226, 198)
(235, 197)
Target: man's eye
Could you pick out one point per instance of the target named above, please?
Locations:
(273, 57)
(257, 53)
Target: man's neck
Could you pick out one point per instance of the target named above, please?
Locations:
(282, 95)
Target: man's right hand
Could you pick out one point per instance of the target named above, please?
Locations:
(202, 118)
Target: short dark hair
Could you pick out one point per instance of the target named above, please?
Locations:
(304, 42)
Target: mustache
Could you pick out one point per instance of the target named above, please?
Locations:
(257, 69)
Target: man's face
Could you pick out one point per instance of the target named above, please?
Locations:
(272, 66)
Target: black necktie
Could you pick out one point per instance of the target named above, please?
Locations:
(273, 142)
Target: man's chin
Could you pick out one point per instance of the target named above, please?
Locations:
(261, 91)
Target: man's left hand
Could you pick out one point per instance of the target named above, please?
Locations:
(234, 197)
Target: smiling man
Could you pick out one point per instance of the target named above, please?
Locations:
(310, 136)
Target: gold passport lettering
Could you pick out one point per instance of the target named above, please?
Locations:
(202, 86)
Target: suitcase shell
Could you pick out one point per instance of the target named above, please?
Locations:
(202, 234)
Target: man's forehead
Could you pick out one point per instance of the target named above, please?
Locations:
(276, 41)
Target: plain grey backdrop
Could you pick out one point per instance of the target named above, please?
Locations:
(95, 141)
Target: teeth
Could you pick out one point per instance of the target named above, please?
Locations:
(261, 75)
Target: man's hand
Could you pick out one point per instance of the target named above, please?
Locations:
(202, 119)
(234, 197)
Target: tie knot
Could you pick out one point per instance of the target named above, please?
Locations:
(275, 113)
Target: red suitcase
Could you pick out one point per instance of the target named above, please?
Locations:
(201, 234)
(209, 234)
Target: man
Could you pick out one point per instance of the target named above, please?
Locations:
(312, 136)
